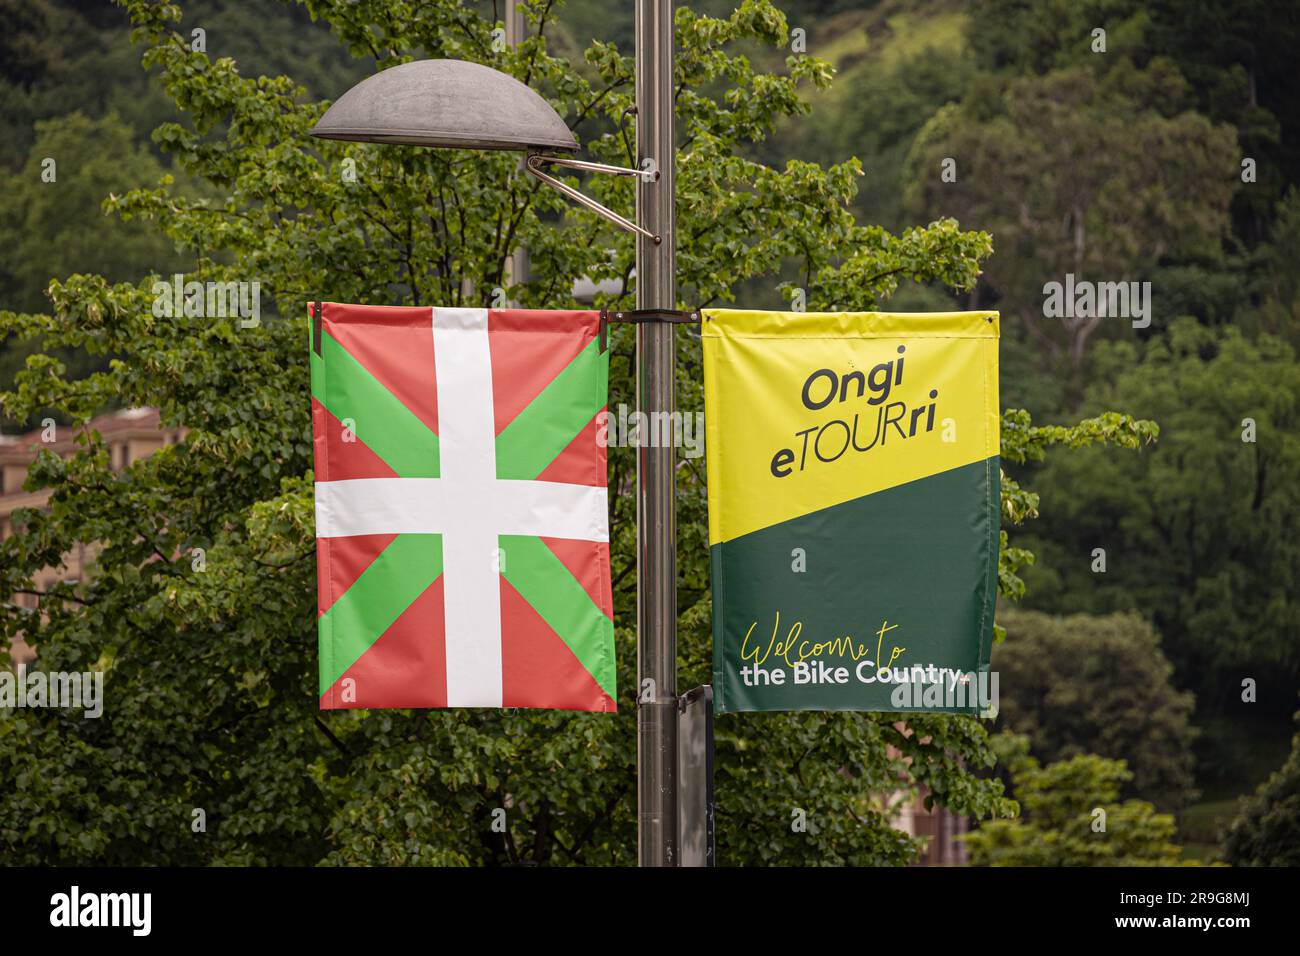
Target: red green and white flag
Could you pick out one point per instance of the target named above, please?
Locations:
(461, 508)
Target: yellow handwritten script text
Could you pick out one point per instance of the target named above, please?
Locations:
(792, 648)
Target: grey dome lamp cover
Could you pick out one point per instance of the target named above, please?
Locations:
(446, 103)
(455, 104)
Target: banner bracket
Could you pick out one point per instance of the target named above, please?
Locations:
(638, 316)
(316, 327)
(676, 316)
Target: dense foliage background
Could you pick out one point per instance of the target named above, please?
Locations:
(812, 144)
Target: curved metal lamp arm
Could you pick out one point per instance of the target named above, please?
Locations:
(534, 164)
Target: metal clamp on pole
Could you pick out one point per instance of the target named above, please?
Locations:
(534, 165)
(675, 316)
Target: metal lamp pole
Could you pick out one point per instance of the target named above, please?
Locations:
(656, 288)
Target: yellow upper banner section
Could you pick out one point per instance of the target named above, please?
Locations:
(805, 410)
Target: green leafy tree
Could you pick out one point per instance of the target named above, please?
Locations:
(209, 664)
(1266, 831)
(879, 103)
(1240, 62)
(51, 220)
(1071, 815)
(1082, 684)
(63, 56)
(59, 58)
(1279, 286)
(1099, 175)
(1042, 35)
(1237, 59)
(1202, 533)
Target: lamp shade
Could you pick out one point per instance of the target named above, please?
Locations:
(446, 103)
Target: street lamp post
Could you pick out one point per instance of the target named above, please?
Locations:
(656, 288)
(453, 104)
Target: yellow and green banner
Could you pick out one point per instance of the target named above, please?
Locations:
(853, 489)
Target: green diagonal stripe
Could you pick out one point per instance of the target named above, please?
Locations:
(544, 582)
(552, 419)
(390, 429)
(401, 573)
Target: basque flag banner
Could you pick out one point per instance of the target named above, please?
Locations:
(462, 529)
(853, 509)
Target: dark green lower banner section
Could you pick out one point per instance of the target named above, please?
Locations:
(883, 603)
